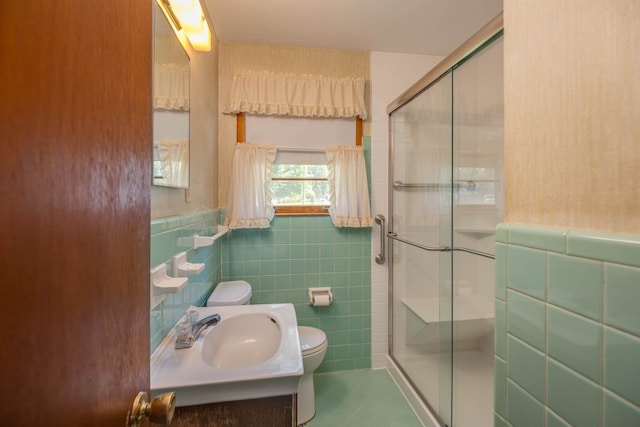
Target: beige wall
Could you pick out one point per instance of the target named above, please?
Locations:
(572, 113)
(203, 142)
(277, 59)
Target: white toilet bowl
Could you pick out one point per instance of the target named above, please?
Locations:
(313, 343)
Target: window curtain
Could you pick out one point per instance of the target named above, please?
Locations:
(249, 204)
(306, 95)
(171, 87)
(349, 197)
(174, 157)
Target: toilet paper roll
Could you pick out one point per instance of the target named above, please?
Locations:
(321, 300)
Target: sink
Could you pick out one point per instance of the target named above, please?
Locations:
(253, 352)
(241, 341)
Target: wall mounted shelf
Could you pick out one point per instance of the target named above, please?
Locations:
(163, 284)
(201, 241)
(197, 241)
(182, 268)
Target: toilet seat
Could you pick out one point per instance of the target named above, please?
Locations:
(312, 340)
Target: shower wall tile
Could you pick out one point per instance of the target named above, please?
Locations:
(571, 307)
(576, 284)
(526, 319)
(526, 367)
(500, 389)
(618, 412)
(572, 396)
(622, 364)
(621, 297)
(500, 329)
(523, 409)
(575, 341)
(527, 271)
(555, 421)
(501, 271)
(498, 421)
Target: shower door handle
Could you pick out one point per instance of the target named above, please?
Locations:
(380, 220)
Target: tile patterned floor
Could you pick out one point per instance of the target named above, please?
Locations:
(360, 398)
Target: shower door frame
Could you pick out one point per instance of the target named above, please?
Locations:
(485, 36)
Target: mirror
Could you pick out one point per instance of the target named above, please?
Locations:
(170, 105)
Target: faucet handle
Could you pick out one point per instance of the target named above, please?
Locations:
(184, 331)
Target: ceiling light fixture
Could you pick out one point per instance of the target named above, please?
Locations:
(187, 16)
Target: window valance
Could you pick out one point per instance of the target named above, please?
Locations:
(305, 95)
(171, 87)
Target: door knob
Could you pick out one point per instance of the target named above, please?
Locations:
(160, 410)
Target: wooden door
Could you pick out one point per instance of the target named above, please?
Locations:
(75, 146)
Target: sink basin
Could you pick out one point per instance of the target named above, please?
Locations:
(253, 352)
(241, 341)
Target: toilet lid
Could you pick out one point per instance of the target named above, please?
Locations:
(311, 339)
(231, 293)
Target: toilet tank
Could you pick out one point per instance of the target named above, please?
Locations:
(236, 292)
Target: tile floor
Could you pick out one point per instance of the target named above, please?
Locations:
(360, 398)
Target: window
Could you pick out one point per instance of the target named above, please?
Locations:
(483, 189)
(297, 188)
(300, 184)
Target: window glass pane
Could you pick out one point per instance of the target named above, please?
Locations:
(306, 193)
(299, 171)
(291, 186)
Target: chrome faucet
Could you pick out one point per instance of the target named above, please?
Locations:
(197, 328)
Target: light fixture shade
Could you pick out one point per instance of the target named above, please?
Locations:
(191, 21)
(189, 12)
(200, 40)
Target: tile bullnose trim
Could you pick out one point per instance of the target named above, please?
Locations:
(602, 246)
(538, 237)
(183, 220)
(502, 233)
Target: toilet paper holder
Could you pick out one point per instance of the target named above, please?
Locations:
(320, 296)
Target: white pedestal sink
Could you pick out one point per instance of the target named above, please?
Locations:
(253, 352)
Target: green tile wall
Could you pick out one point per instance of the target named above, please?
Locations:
(166, 235)
(567, 327)
(296, 253)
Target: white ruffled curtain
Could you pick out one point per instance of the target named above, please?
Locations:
(171, 87)
(174, 157)
(349, 195)
(267, 93)
(249, 204)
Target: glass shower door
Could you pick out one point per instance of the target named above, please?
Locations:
(477, 209)
(421, 218)
(447, 196)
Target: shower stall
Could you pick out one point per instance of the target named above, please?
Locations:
(446, 197)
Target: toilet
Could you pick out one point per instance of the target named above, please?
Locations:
(237, 292)
(313, 344)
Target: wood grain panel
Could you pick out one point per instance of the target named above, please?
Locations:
(572, 102)
(278, 411)
(74, 217)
